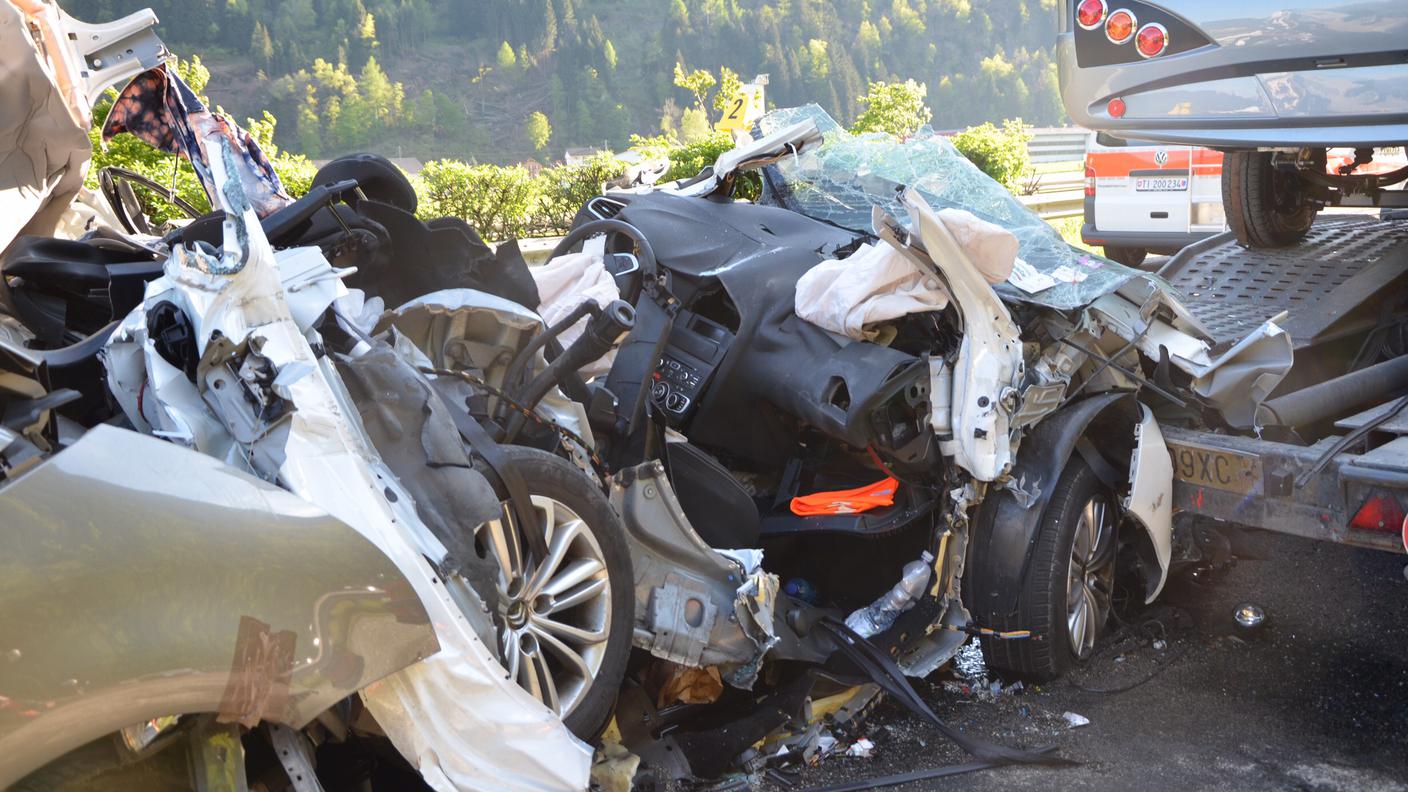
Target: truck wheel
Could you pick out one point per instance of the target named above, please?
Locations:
(1128, 256)
(1266, 206)
(1067, 591)
(566, 622)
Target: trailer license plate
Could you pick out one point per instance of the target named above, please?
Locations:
(1162, 184)
(1215, 467)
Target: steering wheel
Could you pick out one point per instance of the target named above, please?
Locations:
(115, 183)
(645, 254)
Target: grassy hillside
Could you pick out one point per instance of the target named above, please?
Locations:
(461, 78)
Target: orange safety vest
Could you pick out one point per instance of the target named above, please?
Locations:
(851, 501)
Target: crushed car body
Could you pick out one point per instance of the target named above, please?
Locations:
(832, 434)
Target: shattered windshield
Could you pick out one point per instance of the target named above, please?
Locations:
(841, 180)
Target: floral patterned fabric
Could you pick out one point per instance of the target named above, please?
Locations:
(159, 108)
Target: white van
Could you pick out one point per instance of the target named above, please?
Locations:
(1143, 197)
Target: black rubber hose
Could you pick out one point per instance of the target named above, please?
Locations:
(1340, 395)
(602, 333)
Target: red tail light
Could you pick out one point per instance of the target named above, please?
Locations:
(1119, 27)
(1153, 40)
(1089, 180)
(1381, 512)
(1115, 108)
(1090, 13)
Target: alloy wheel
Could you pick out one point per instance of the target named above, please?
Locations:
(1090, 581)
(554, 614)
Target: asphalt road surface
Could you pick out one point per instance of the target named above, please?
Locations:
(1318, 700)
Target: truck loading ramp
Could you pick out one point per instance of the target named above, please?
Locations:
(1343, 262)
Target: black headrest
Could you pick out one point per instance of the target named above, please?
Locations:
(379, 179)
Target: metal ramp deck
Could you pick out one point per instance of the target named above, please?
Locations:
(1342, 262)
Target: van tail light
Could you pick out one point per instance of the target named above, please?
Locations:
(1089, 181)
(1152, 40)
(1090, 14)
(1120, 26)
(1115, 108)
(1381, 512)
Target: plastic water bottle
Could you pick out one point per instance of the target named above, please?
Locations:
(880, 614)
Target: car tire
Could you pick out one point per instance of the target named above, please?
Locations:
(562, 494)
(1128, 256)
(1266, 207)
(1071, 568)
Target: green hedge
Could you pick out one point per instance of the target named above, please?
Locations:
(1000, 153)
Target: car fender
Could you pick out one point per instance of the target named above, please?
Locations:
(1005, 525)
(1150, 501)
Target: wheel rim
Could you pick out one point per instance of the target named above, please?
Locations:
(554, 614)
(1090, 581)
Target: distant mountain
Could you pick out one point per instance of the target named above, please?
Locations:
(461, 78)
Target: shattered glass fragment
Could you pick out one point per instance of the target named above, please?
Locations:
(841, 180)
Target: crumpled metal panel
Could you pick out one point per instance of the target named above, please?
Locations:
(1150, 500)
(439, 711)
(176, 584)
(843, 178)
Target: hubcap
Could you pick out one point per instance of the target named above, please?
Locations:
(555, 613)
(1090, 581)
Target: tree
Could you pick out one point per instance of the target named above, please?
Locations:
(695, 125)
(679, 13)
(261, 46)
(538, 131)
(548, 42)
(894, 108)
(1000, 153)
(729, 87)
(609, 53)
(506, 59)
(697, 82)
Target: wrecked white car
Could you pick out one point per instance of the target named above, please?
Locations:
(236, 521)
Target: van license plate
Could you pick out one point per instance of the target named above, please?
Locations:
(1215, 467)
(1162, 184)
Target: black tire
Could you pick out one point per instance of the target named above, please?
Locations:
(1128, 256)
(1266, 206)
(554, 477)
(1042, 600)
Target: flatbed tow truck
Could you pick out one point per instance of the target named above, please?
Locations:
(1342, 295)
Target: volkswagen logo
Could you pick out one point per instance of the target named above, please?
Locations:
(1160, 157)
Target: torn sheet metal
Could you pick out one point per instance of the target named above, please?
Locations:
(212, 568)
(694, 606)
(44, 147)
(436, 712)
(782, 141)
(1150, 500)
(1235, 382)
(842, 179)
(469, 330)
(989, 367)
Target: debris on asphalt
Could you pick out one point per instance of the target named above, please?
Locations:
(861, 749)
(1075, 720)
(614, 767)
(1249, 616)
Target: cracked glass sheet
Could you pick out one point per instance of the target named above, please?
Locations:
(848, 174)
